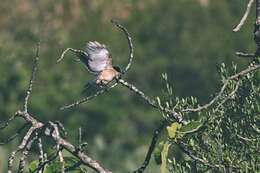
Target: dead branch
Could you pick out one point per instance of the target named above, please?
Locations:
(39, 129)
(130, 45)
(243, 19)
(237, 76)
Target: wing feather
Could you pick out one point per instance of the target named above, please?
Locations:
(98, 57)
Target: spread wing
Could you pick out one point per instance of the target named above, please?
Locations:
(98, 57)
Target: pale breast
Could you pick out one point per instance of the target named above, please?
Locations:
(106, 76)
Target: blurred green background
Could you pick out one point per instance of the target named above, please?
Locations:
(184, 38)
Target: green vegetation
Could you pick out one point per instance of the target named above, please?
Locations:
(188, 41)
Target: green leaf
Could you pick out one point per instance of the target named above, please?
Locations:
(33, 165)
(164, 157)
(172, 129)
(53, 167)
(157, 153)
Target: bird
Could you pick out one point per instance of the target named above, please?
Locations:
(98, 61)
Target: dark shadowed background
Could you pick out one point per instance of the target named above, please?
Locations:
(186, 39)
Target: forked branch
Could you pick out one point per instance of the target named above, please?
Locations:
(38, 130)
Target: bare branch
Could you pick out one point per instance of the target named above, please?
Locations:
(194, 157)
(77, 52)
(155, 137)
(236, 76)
(245, 55)
(24, 114)
(130, 45)
(21, 147)
(246, 139)
(80, 136)
(87, 98)
(41, 153)
(19, 131)
(251, 68)
(38, 130)
(243, 19)
(8, 122)
(79, 154)
(25, 154)
(57, 133)
(11, 160)
(230, 95)
(29, 90)
(152, 102)
(86, 160)
(74, 166)
(185, 150)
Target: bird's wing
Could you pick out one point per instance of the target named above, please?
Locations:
(90, 88)
(98, 57)
(84, 59)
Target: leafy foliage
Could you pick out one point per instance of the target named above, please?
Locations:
(228, 138)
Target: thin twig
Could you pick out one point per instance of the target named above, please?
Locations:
(11, 160)
(29, 90)
(21, 147)
(61, 157)
(80, 137)
(75, 51)
(86, 160)
(196, 158)
(236, 76)
(216, 98)
(130, 45)
(87, 98)
(8, 122)
(26, 140)
(185, 150)
(74, 166)
(230, 95)
(57, 133)
(19, 131)
(245, 138)
(25, 154)
(155, 137)
(41, 153)
(245, 55)
(152, 102)
(243, 19)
